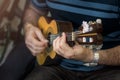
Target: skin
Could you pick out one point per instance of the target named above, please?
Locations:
(34, 38)
(77, 52)
(36, 42)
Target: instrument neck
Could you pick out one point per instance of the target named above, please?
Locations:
(69, 36)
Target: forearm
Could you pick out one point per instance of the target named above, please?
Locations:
(106, 57)
(32, 14)
(110, 56)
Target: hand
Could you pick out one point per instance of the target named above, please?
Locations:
(34, 39)
(76, 52)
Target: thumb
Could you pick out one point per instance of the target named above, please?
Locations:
(64, 37)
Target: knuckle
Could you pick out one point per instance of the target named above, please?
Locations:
(34, 43)
(26, 42)
(34, 53)
(61, 45)
(69, 56)
(58, 48)
(54, 49)
(34, 48)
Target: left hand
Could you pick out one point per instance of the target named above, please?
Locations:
(76, 52)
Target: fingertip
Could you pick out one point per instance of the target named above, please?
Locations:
(45, 40)
(63, 33)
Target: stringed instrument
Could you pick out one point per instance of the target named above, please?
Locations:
(52, 28)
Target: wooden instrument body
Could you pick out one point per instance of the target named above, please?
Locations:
(49, 26)
(52, 28)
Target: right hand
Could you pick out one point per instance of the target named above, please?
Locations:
(34, 39)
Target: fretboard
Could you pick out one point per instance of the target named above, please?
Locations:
(73, 36)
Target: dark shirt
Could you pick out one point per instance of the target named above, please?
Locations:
(77, 11)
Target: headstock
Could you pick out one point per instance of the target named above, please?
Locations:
(94, 29)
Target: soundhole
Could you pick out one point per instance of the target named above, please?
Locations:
(49, 48)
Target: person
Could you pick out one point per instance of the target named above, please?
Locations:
(71, 66)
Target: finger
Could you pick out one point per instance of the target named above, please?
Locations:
(65, 49)
(34, 50)
(39, 43)
(35, 47)
(63, 37)
(36, 42)
(40, 36)
(31, 50)
(59, 50)
(63, 43)
(55, 44)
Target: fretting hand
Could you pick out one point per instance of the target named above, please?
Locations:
(76, 52)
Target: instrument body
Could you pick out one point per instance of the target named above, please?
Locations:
(53, 28)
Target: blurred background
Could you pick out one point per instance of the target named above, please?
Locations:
(10, 25)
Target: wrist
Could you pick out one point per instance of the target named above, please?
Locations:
(95, 57)
(90, 55)
(27, 26)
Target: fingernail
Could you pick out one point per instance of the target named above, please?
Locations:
(46, 40)
(63, 33)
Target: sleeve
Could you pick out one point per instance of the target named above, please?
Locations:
(38, 4)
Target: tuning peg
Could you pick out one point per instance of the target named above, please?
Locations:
(99, 21)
